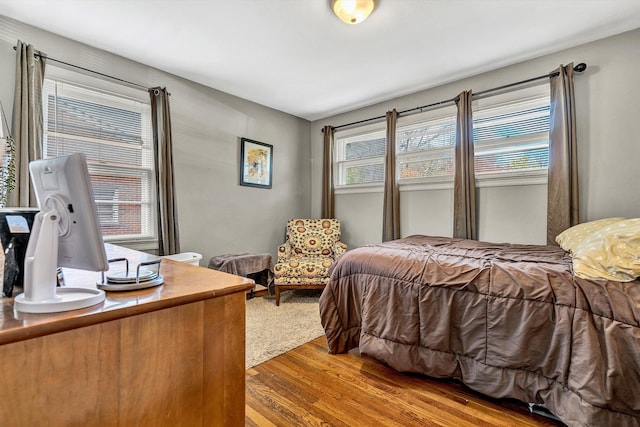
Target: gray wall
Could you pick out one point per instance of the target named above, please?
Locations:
(216, 214)
(607, 114)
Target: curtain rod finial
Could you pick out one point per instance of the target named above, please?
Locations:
(580, 67)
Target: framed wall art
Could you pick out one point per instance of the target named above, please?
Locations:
(256, 163)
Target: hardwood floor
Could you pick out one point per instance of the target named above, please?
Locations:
(309, 387)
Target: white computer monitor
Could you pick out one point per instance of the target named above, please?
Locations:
(65, 233)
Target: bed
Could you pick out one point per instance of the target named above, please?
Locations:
(509, 321)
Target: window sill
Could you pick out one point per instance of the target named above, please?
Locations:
(536, 177)
(146, 245)
(377, 187)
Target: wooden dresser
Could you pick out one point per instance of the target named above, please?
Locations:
(173, 355)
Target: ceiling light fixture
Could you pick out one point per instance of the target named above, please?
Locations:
(352, 11)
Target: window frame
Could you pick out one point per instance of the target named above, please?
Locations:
(148, 239)
(441, 114)
(528, 94)
(532, 92)
(343, 137)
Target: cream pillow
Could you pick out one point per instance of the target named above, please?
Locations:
(570, 238)
(612, 253)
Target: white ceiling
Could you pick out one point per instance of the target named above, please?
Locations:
(295, 56)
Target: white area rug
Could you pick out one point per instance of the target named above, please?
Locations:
(273, 330)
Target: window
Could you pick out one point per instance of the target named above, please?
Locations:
(511, 142)
(425, 146)
(360, 158)
(511, 136)
(111, 125)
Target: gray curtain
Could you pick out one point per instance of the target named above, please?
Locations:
(562, 203)
(7, 159)
(391, 209)
(328, 198)
(464, 187)
(27, 120)
(167, 211)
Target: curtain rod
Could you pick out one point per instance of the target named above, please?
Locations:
(48, 58)
(578, 68)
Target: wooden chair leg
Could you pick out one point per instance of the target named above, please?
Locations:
(290, 286)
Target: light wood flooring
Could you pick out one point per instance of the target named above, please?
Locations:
(309, 387)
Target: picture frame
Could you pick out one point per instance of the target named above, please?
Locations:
(256, 163)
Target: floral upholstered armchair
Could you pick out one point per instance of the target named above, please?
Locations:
(310, 249)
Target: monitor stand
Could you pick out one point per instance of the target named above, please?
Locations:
(41, 294)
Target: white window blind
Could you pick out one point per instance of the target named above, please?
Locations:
(360, 158)
(425, 146)
(113, 130)
(512, 136)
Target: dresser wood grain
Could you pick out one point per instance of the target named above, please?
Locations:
(172, 355)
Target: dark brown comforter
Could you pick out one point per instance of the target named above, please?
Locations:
(506, 320)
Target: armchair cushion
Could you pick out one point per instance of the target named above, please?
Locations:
(304, 270)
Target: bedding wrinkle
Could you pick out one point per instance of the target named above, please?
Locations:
(507, 320)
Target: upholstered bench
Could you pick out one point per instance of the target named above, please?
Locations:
(258, 267)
